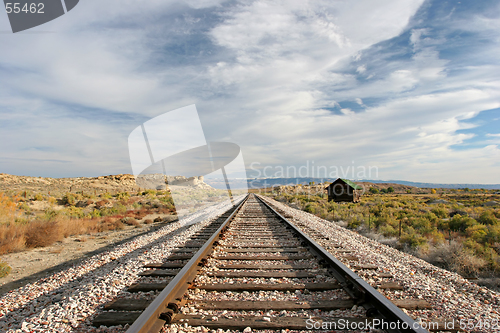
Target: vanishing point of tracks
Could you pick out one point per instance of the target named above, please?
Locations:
(251, 267)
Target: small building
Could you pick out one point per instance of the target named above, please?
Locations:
(343, 190)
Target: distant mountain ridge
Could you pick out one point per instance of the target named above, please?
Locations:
(268, 182)
(437, 185)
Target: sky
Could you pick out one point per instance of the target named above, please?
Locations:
(408, 89)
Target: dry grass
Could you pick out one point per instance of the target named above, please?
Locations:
(15, 237)
(12, 238)
(42, 233)
(456, 258)
(130, 221)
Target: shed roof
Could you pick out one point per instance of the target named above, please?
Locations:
(352, 184)
(348, 182)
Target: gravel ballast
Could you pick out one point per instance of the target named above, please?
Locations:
(67, 300)
(452, 297)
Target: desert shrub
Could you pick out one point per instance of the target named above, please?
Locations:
(106, 195)
(23, 206)
(164, 210)
(117, 208)
(42, 233)
(139, 215)
(129, 221)
(155, 204)
(440, 212)
(386, 219)
(392, 204)
(493, 234)
(130, 213)
(421, 224)
(76, 212)
(388, 231)
(38, 197)
(110, 223)
(477, 232)
(69, 199)
(123, 196)
(52, 200)
(436, 236)
(432, 218)
(354, 222)
(70, 227)
(7, 208)
(12, 237)
(4, 269)
(311, 208)
(148, 221)
(461, 223)
(376, 210)
(467, 263)
(331, 206)
(101, 203)
(168, 202)
(149, 192)
(455, 257)
(487, 218)
(50, 214)
(413, 240)
(390, 189)
(95, 213)
(373, 190)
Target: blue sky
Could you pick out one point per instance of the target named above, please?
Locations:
(408, 86)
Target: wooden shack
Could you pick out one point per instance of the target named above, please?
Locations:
(343, 190)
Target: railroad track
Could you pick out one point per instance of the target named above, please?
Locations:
(253, 268)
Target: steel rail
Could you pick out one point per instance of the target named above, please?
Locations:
(378, 305)
(161, 310)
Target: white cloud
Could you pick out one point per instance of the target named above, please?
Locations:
(281, 42)
(267, 84)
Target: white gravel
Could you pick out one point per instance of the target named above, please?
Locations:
(451, 296)
(67, 300)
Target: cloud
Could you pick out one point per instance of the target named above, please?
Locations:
(385, 82)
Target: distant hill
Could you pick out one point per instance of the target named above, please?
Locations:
(268, 182)
(96, 185)
(437, 185)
